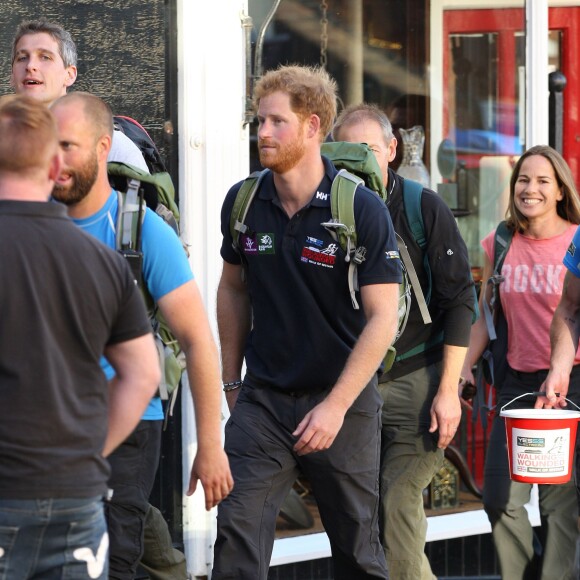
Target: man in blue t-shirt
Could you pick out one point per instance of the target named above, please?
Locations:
(85, 127)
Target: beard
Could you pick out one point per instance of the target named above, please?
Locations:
(284, 157)
(82, 183)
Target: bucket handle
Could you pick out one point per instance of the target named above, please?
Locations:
(536, 394)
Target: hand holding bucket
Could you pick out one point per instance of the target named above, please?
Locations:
(540, 442)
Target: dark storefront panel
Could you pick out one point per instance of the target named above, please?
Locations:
(123, 50)
(390, 68)
(127, 56)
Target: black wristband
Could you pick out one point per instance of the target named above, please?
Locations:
(232, 386)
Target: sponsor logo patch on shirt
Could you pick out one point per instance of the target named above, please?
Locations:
(260, 243)
(314, 241)
(571, 249)
(318, 256)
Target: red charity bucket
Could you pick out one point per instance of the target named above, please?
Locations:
(540, 443)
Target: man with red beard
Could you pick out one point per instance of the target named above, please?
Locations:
(85, 126)
(309, 400)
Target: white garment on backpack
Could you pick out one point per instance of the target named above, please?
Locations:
(123, 150)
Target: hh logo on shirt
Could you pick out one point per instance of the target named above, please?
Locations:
(261, 243)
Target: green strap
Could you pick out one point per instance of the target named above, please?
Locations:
(241, 205)
(342, 209)
(342, 193)
(412, 192)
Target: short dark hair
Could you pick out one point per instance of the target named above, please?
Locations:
(66, 46)
(97, 110)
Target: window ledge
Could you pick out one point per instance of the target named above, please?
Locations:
(315, 546)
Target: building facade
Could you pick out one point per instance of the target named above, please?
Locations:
(472, 74)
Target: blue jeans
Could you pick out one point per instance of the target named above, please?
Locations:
(53, 539)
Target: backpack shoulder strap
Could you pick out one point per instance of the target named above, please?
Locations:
(241, 205)
(342, 208)
(129, 224)
(412, 273)
(130, 215)
(412, 193)
(501, 244)
(343, 227)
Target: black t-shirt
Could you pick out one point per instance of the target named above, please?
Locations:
(304, 324)
(63, 297)
(452, 298)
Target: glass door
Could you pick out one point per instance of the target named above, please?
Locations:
(484, 109)
(484, 100)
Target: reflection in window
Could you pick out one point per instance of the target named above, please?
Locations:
(485, 124)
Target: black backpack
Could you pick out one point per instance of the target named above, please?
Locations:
(492, 366)
(138, 134)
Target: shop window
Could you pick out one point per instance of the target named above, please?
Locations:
(375, 49)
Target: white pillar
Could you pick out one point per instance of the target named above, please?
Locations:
(213, 155)
(537, 93)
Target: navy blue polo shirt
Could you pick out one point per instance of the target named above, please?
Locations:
(304, 324)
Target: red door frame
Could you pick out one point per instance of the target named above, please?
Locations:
(505, 22)
(568, 21)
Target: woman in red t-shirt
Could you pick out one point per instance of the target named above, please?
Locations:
(543, 214)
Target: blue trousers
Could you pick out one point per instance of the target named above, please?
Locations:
(53, 539)
(344, 481)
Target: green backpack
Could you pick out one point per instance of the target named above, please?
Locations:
(357, 165)
(136, 190)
